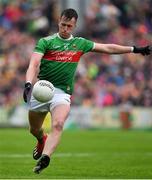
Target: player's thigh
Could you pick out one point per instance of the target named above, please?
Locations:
(60, 113)
(36, 119)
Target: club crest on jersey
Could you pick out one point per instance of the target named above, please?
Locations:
(74, 46)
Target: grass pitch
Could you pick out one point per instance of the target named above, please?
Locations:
(88, 154)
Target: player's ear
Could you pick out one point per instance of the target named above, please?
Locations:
(75, 24)
(76, 21)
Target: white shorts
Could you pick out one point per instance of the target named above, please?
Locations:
(60, 97)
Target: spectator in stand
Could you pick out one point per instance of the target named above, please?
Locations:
(131, 24)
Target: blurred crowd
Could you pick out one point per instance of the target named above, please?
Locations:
(22, 22)
(101, 80)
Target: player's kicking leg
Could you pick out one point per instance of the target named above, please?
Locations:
(59, 115)
(36, 120)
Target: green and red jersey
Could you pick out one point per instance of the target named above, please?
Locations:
(60, 59)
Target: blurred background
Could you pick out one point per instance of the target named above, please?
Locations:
(111, 91)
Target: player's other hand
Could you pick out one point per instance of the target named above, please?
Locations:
(146, 50)
(27, 89)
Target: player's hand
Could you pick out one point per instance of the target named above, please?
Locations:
(27, 89)
(147, 50)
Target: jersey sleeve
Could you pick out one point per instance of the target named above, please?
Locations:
(41, 46)
(87, 45)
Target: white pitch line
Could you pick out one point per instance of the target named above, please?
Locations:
(17, 155)
(55, 155)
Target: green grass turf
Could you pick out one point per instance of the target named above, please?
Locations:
(81, 154)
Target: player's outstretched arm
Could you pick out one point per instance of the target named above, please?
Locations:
(118, 49)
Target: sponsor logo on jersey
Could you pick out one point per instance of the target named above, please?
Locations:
(63, 56)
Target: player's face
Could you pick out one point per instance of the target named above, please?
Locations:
(66, 27)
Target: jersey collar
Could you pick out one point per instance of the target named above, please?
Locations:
(63, 38)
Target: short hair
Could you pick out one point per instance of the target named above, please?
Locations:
(70, 13)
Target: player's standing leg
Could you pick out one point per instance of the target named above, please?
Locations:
(59, 116)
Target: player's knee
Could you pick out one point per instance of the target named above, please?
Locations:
(58, 126)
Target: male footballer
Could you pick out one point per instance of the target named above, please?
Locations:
(55, 59)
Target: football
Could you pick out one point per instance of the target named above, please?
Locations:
(43, 91)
